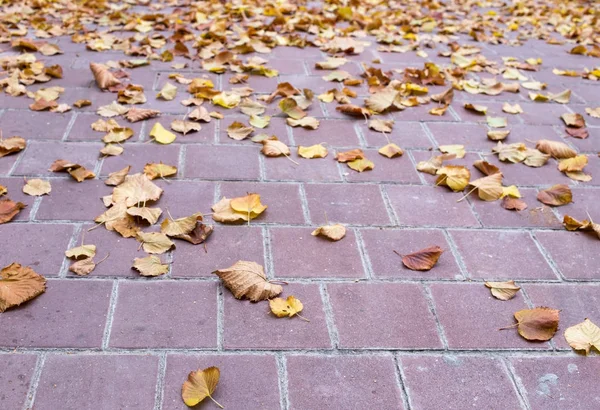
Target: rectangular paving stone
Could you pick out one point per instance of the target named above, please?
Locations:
(425, 206)
(38, 246)
(72, 200)
(39, 155)
(310, 170)
(205, 135)
(8, 162)
(165, 315)
(406, 135)
(380, 245)
(296, 253)
(343, 382)
(184, 198)
(17, 370)
(398, 169)
(77, 308)
(110, 382)
(34, 125)
(554, 383)
(82, 129)
(350, 204)
(335, 133)
(472, 136)
(283, 200)
(521, 174)
(368, 315)
(540, 113)
(432, 382)
(501, 255)
(249, 325)
(575, 302)
(225, 246)
(574, 253)
(15, 193)
(138, 155)
(239, 387)
(471, 317)
(584, 205)
(222, 162)
(494, 108)
(277, 127)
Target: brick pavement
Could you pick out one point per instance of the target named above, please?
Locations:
(381, 336)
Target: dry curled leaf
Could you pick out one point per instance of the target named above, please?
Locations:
(391, 150)
(455, 149)
(289, 307)
(104, 78)
(140, 114)
(583, 336)
(423, 260)
(117, 177)
(361, 164)
(489, 188)
(185, 127)
(9, 209)
(11, 145)
(168, 92)
(556, 149)
(246, 208)
(513, 204)
(456, 177)
(557, 195)
(247, 279)
(180, 226)
(274, 148)
(572, 224)
(19, 284)
(538, 324)
(350, 155)
(238, 131)
(150, 215)
(486, 168)
(200, 385)
(155, 242)
(136, 188)
(83, 251)
(150, 266)
(573, 120)
(503, 290)
(314, 151)
(333, 232)
(83, 267)
(159, 170)
(37, 187)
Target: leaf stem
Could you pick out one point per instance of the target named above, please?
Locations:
(216, 402)
(509, 327)
(468, 193)
(302, 317)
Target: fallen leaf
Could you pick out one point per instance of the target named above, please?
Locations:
(381, 125)
(512, 109)
(161, 135)
(19, 284)
(306, 122)
(117, 177)
(80, 173)
(83, 267)
(136, 188)
(247, 279)
(168, 92)
(150, 215)
(353, 110)
(593, 112)
(155, 242)
(361, 164)
(382, 100)
(274, 148)
(556, 149)
(11, 145)
(260, 122)
(456, 177)
(333, 232)
(478, 109)
(185, 127)
(180, 226)
(160, 170)
(117, 135)
(3, 190)
(249, 205)
(557, 195)
(455, 149)
(583, 336)
(391, 150)
(85, 251)
(349, 155)
(150, 266)
(538, 324)
(200, 385)
(239, 131)
(572, 224)
(486, 168)
(513, 204)
(562, 98)
(103, 77)
(423, 260)
(290, 107)
(489, 188)
(82, 103)
(573, 120)
(112, 110)
(314, 151)
(498, 135)
(37, 187)
(227, 99)
(511, 152)
(9, 209)
(503, 290)
(139, 114)
(497, 122)
(574, 164)
(200, 114)
(289, 307)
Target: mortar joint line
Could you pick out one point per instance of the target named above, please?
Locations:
(220, 316)
(290, 133)
(388, 206)
(217, 131)
(217, 192)
(35, 381)
(516, 383)
(64, 267)
(547, 257)
(35, 207)
(362, 249)
(69, 126)
(304, 203)
(112, 306)
(429, 134)
(329, 317)
(262, 168)
(401, 382)
(283, 381)
(268, 253)
(454, 114)
(142, 135)
(457, 255)
(361, 138)
(160, 381)
(182, 160)
(431, 305)
(474, 212)
(414, 163)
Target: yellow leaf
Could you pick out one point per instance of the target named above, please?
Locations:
(116, 135)
(456, 177)
(361, 164)
(136, 188)
(249, 205)
(227, 99)
(306, 122)
(161, 135)
(37, 187)
(289, 307)
(511, 191)
(238, 131)
(260, 122)
(200, 385)
(456, 149)
(583, 336)
(503, 290)
(391, 150)
(86, 251)
(314, 151)
(159, 170)
(150, 266)
(168, 92)
(155, 242)
(333, 232)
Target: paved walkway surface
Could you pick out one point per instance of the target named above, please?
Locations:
(380, 336)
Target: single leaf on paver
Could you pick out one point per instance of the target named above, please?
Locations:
(593, 112)
(103, 77)
(512, 109)
(19, 284)
(112, 110)
(249, 204)
(454, 149)
(150, 266)
(239, 131)
(382, 100)
(83, 251)
(478, 109)
(80, 173)
(572, 224)
(200, 114)
(136, 188)
(583, 336)
(423, 260)
(503, 290)
(289, 307)
(391, 150)
(514, 153)
(573, 120)
(350, 155)
(513, 204)
(200, 385)
(361, 164)
(83, 267)
(117, 135)
(489, 188)
(574, 164)
(180, 226)
(381, 125)
(161, 135)
(556, 195)
(433, 164)
(497, 122)
(259, 122)
(159, 170)
(486, 168)
(168, 92)
(37, 187)
(498, 135)
(556, 149)
(306, 122)
(111, 150)
(105, 125)
(538, 324)
(139, 114)
(9, 209)
(274, 148)
(333, 232)
(115, 213)
(290, 107)
(117, 177)
(247, 279)
(11, 145)
(353, 110)
(314, 151)
(456, 177)
(155, 242)
(150, 215)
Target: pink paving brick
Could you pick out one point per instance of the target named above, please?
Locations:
(360, 204)
(585, 202)
(77, 308)
(138, 155)
(436, 207)
(115, 381)
(7, 163)
(45, 254)
(15, 193)
(343, 382)
(225, 246)
(239, 387)
(183, 198)
(405, 134)
(40, 155)
(311, 170)
(472, 136)
(82, 129)
(369, 316)
(318, 258)
(380, 245)
(495, 255)
(398, 170)
(334, 133)
(249, 325)
(470, 317)
(15, 378)
(521, 174)
(433, 381)
(174, 315)
(72, 200)
(205, 135)
(283, 200)
(574, 253)
(34, 125)
(222, 162)
(555, 383)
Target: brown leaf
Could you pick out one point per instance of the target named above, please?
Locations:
(37, 187)
(572, 224)
(581, 133)
(239, 131)
(150, 266)
(80, 173)
(513, 204)
(381, 125)
(333, 232)
(353, 110)
(573, 120)
(556, 196)
(104, 78)
(137, 188)
(9, 209)
(11, 145)
(556, 149)
(274, 148)
(117, 177)
(198, 235)
(247, 279)
(423, 260)
(539, 324)
(148, 214)
(140, 114)
(83, 267)
(503, 290)
(486, 168)
(19, 284)
(489, 188)
(180, 226)
(350, 155)
(391, 150)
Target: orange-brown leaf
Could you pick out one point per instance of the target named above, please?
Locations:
(425, 259)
